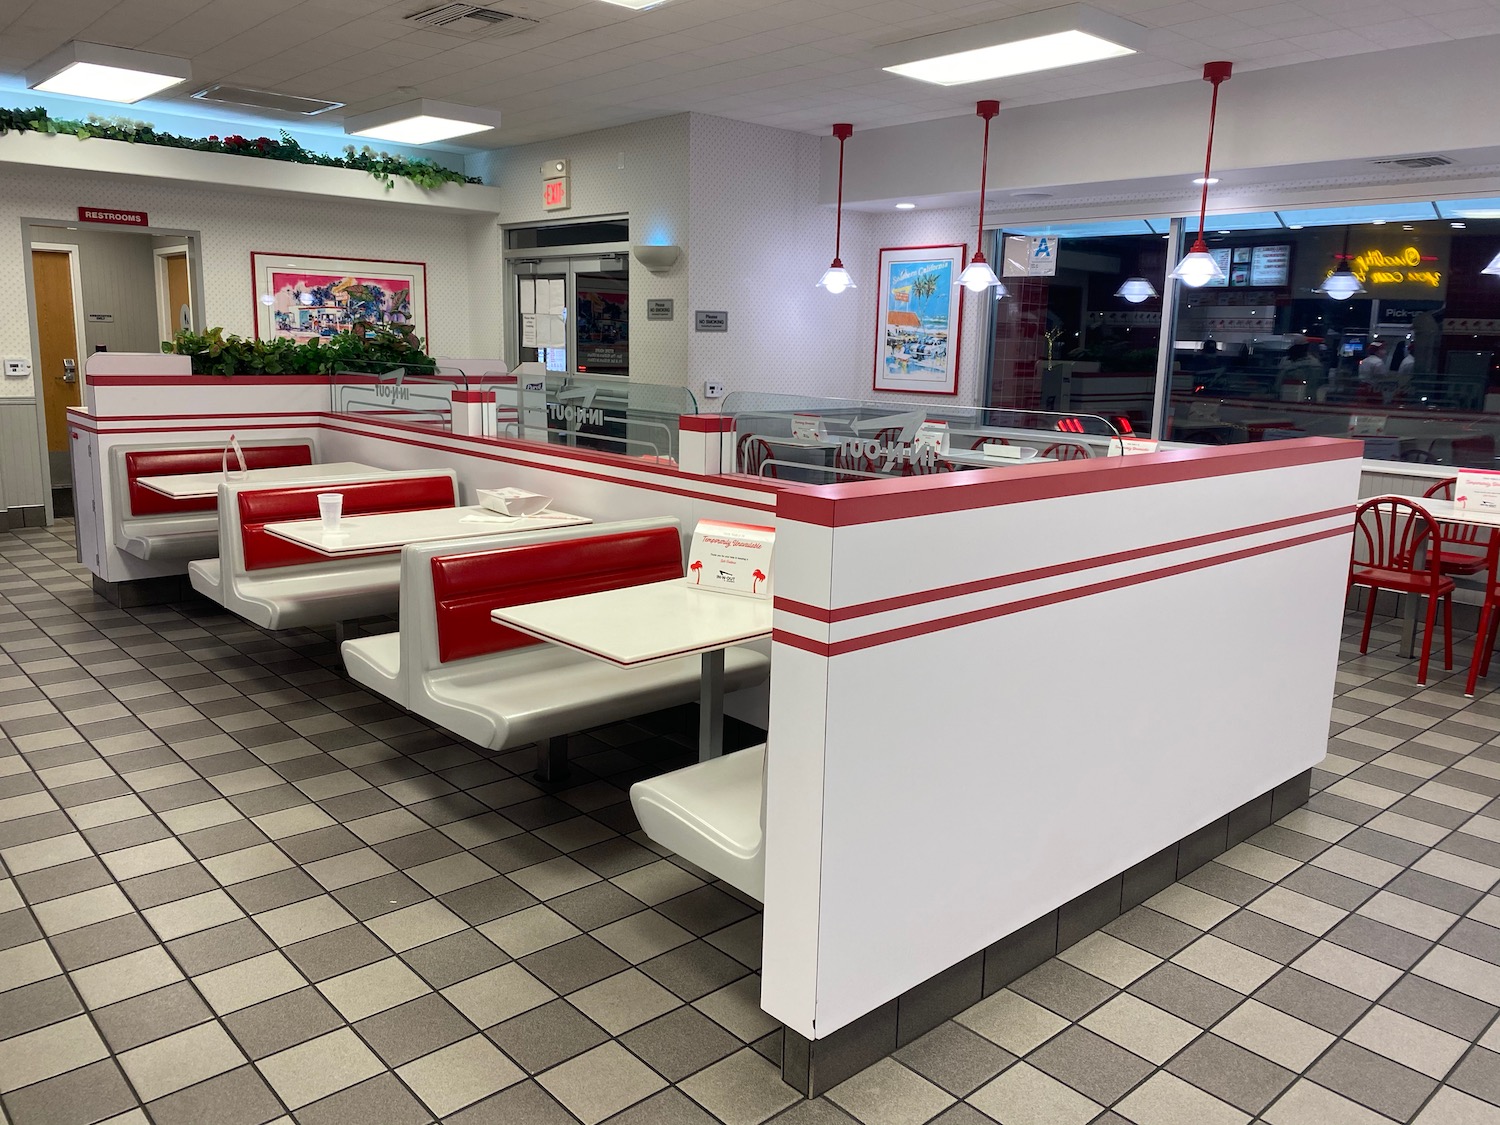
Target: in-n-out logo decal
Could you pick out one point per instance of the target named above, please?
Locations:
(581, 415)
(392, 392)
(869, 451)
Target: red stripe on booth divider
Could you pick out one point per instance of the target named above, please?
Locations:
(207, 380)
(650, 486)
(843, 505)
(942, 624)
(473, 396)
(1015, 578)
(705, 423)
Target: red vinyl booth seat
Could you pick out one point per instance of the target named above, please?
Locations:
(467, 587)
(173, 462)
(257, 508)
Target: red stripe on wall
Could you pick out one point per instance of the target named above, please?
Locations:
(941, 624)
(1015, 578)
(843, 505)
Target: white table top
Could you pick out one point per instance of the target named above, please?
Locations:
(644, 624)
(194, 486)
(384, 531)
(977, 458)
(1446, 511)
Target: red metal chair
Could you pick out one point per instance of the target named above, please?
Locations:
(754, 453)
(1401, 546)
(1464, 535)
(1066, 451)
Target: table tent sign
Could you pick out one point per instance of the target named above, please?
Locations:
(809, 427)
(733, 558)
(1119, 447)
(1476, 492)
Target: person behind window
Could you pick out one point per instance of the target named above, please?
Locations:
(1299, 365)
(1373, 366)
(1408, 364)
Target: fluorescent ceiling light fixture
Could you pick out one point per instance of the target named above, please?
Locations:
(906, 207)
(636, 5)
(1066, 36)
(422, 122)
(1209, 180)
(107, 74)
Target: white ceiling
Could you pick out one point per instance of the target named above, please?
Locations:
(794, 64)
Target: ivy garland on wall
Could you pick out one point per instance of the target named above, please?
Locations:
(383, 166)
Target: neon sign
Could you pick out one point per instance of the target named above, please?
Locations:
(1404, 267)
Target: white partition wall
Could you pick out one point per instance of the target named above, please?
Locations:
(994, 691)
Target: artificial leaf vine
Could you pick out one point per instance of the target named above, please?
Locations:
(382, 165)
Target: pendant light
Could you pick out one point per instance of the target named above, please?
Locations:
(977, 275)
(1493, 269)
(1136, 289)
(1341, 284)
(1198, 267)
(836, 278)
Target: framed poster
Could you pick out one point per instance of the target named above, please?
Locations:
(919, 317)
(302, 296)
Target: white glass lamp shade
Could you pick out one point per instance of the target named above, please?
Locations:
(1198, 269)
(977, 276)
(836, 279)
(1341, 284)
(1494, 267)
(1136, 289)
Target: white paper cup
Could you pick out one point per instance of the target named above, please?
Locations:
(331, 508)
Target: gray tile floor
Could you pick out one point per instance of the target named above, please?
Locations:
(237, 890)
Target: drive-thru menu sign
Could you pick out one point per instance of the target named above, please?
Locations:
(733, 558)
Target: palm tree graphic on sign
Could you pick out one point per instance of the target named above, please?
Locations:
(758, 579)
(696, 567)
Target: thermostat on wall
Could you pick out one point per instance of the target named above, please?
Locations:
(17, 368)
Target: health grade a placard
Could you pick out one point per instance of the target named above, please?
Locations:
(732, 558)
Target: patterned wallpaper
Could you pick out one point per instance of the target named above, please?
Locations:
(232, 225)
(760, 242)
(640, 170)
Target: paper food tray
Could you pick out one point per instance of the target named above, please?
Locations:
(512, 501)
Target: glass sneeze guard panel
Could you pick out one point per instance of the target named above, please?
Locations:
(833, 441)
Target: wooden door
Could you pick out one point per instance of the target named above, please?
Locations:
(179, 294)
(57, 332)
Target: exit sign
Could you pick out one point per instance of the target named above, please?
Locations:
(555, 194)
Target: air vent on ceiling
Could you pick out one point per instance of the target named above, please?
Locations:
(470, 21)
(1416, 161)
(265, 99)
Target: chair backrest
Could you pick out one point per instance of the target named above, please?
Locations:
(448, 590)
(133, 499)
(1461, 533)
(1442, 490)
(1396, 533)
(754, 453)
(1067, 451)
(244, 510)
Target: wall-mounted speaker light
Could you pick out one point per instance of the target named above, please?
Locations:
(657, 259)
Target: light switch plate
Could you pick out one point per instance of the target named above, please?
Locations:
(713, 390)
(17, 367)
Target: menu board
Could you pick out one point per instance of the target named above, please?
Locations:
(1271, 266)
(1221, 257)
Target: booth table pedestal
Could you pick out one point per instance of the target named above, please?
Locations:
(658, 621)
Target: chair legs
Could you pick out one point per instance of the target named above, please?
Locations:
(1484, 645)
(1364, 640)
(1427, 630)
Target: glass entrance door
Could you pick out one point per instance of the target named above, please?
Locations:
(572, 314)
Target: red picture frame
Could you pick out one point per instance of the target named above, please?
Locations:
(919, 319)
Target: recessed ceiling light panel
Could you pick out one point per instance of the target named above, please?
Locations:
(637, 5)
(422, 122)
(1066, 36)
(109, 74)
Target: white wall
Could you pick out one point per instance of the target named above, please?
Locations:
(761, 241)
(233, 224)
(640, 170)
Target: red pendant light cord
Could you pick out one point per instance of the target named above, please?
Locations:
(988, 110)
(843, 132)
(1217, 73)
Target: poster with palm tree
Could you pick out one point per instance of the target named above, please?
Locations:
(300, 296)
(919, 319)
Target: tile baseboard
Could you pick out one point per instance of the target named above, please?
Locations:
(813, 1067)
